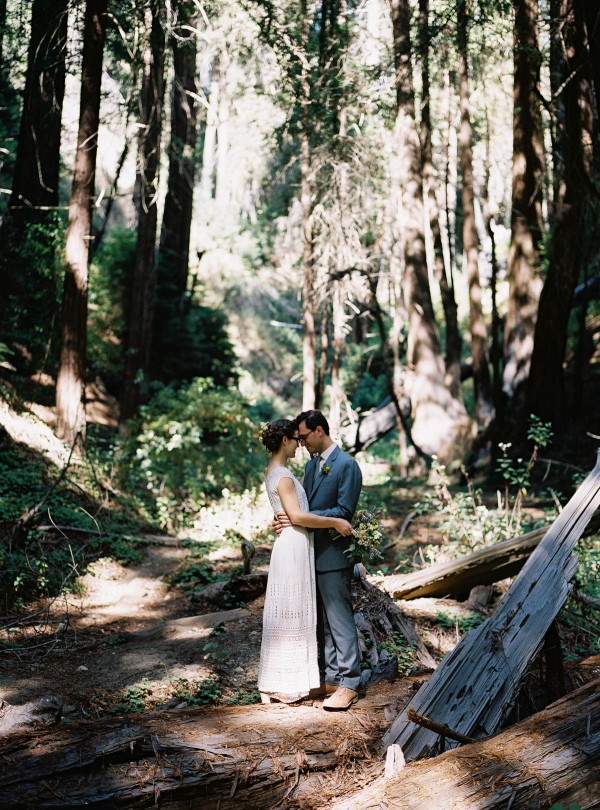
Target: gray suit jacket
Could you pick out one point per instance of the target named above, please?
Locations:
(333, 494)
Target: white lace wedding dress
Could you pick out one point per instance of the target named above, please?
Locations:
(288, 655)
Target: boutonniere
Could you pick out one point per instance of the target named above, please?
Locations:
(326, 469)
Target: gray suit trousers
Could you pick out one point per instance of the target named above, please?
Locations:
(336, 629)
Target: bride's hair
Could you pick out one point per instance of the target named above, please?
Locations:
(272, 433)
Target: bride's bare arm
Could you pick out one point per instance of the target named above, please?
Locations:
(299, 517)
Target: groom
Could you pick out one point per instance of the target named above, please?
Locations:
(332, 481)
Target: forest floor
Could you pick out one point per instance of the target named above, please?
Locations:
(109, 646)
(109, 649)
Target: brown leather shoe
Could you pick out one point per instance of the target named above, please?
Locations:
(341, 699)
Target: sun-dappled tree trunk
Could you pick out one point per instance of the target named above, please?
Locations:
(309, 338)
(70, 384)
(546, 395)
(28, 304)
(209, 141)
(438, 418)
(172, 304)
(144, 270)
(484, 409)
(526, 214)
(2, 26)
(177, 216)
(453, 339)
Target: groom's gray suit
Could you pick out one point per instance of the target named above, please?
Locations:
(335, 493)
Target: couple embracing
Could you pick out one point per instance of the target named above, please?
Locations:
(310, 644)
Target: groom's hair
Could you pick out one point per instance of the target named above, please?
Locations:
(312, 420)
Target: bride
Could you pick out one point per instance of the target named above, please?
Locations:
(288, 657)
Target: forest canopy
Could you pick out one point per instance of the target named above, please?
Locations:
(343, 205)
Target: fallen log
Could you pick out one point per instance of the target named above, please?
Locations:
(390, 617)
(182, 628)
(45, 711)
(243, 588)
(482, 567)
(475, 685)
(235, 757)
(552, 758)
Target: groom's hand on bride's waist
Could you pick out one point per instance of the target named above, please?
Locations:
(280, 522)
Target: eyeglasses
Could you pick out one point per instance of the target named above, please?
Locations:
(296, 438)
(302, 438)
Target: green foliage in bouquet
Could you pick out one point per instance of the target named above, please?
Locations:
(367, 535)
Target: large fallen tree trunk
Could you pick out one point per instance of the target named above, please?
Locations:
(551, 758)
(482, 567)
(476, 684)
(226, 758)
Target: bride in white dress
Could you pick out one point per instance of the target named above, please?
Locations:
(288, 657)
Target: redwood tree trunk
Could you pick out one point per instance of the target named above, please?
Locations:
(172, 303)
(484, 409)
(35, 178)
(546, 392)
(453, 339)
(177, 217)
(526, 215)
(2, 25)
(438, 418)
(144, 272)
(28, 281)
(309, 341)
(70, 385)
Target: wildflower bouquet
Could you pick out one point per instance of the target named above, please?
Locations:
(367, 535)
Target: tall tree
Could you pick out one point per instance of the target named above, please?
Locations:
(546, 395)
(35, 179)
(453, 339)
(172, 354)
(70, 385)
(526, 212)
(146, 192)
(174, 248)
(2, 25)
(484, 408)
(439, 419)
(309, 302)
(28, 281)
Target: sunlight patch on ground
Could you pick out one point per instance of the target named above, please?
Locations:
(28, 428)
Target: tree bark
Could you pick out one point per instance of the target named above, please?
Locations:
(144, 271)
(2, 26)
(484, 409)
(526, 213)
(177, 216)
(440, 423)
(546, 395)
(213, 758)
(309, 304)
(453, 338)
(28, 287)
(592, 16)
(475, 686)
(551, 758)
(35, 178)
(70, 384)
(482, 567)
(209, 147)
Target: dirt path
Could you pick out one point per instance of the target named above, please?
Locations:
(108, 649)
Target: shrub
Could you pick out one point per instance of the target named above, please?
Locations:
(192, 445)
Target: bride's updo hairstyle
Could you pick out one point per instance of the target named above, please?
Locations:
(272, 433)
